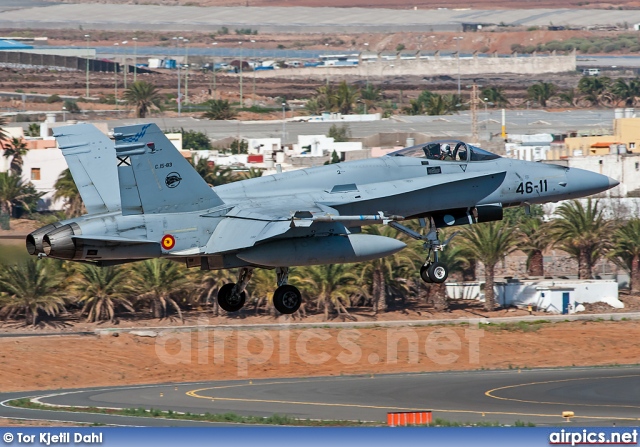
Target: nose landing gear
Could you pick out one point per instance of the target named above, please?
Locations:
(432, 271)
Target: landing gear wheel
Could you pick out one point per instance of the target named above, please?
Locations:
(438, 272)
(424, 273)
(228, 300)
(287, 299)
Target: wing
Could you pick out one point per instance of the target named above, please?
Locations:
(246, 225)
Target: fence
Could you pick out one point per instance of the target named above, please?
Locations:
(68, 62)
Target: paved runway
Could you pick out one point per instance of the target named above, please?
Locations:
(296, 19)
(598, 396)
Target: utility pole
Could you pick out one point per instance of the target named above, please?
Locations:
(86, 36)
(253, 50)
(135, 59)
(241, 100)
(458, 39)
(115, 77)
(178, 39)
(474, 112)
(284, 104)
(124, 63)
(186, 74)
(213, 73)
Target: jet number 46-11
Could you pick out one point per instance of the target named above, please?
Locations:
(529, 187)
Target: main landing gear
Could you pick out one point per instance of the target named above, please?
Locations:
(432, 271)
(286, 299)
(231, 296)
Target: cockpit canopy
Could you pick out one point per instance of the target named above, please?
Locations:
(446, 150)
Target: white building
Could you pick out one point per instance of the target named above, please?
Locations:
(528, 147)
(554, 295)
(320, 145)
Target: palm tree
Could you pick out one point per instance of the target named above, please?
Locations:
(325, 98)
(583, 233)
(261, 288)
(370, 96)
(219, 109)
(144, 96)
(495, 95)
(331, 284)
(534, 240)
(67, 190)
(542, 92)
(569, 96)
(626, 92)
(16, 149)
(101, 290)
(441, 104)
(626, 250)
(313, 106)
(31, 288)
(33, 130)
(345, 97)
(214, 175)
(386, 276)
(415, 107)
(14, 192)
(489, 243)
(156, 281)
(4, 135)
(594, 88)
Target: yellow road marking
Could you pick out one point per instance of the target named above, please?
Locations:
(195, 394)
(490, 392)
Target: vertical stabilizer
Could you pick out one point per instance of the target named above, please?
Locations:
(89, 154)
(154, 177)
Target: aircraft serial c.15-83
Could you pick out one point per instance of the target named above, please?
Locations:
(161, 207)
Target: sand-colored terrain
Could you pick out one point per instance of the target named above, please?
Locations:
(84, 361)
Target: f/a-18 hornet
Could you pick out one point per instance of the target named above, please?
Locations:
(161, 207)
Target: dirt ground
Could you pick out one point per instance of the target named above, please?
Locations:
(72, 361)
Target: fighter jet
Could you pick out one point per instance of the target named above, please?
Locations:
(144, 200)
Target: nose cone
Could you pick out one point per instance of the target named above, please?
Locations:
(582, 183)
(613, 183)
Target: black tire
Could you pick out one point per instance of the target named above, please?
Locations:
(287, 299)
(227, 301)
(424, 273)
(438, 272)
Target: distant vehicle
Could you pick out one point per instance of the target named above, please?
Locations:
(591, 72)
(162, 208)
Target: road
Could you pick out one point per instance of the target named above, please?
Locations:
(597, 396)
(453, 126)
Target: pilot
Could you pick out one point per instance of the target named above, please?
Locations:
(445, 152)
